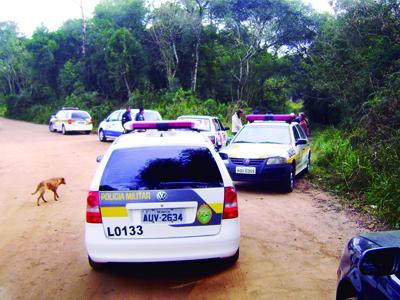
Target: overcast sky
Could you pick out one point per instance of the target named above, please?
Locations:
(29, 14)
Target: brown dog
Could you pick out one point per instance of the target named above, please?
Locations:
(50, 184)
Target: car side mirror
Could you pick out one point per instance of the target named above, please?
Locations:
(99, 158)
(301, 142)
(380, 261)
(223, 155)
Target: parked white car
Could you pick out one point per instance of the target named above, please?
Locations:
(161, 197)
(111, 127)
(70, 119)
(210, 127)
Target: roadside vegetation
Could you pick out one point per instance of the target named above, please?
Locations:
(201, 57)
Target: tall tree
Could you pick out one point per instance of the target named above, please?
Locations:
(168, 27)
(14, 69)
(125, 59)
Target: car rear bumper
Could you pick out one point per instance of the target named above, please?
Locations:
(264, 173)
(102, 249)
(80, 127)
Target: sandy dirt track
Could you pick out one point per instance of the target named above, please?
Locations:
(290, 245)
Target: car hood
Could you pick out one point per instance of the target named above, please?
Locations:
(384, 238)
(256, 150)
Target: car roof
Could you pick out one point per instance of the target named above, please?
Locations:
(269, 123)
(135, 109)
(73, 110)
(196, 117)
(149, 138)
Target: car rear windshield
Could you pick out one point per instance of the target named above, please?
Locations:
(199, 123)
(160, 168)
(265, 134)
(151, 116)
(82, 115)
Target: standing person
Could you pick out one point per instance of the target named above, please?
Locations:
(236, 121)
(304, 124)
(126, 117)
(140, 115)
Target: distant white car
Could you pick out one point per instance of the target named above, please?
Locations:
(70, 119)
(210, 127)
(161, 194)
(111, 127)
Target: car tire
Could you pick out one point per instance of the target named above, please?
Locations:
(346, 291)
(288, 184)
(308, 167)
(231, 260)
(102, 136)
(63, 131)
(51, 127)
(87, 132)
(96, 265)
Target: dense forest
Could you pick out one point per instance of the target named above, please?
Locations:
(201, 56)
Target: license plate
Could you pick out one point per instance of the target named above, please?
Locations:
(165, 215)
(81, 122)
(246, 170)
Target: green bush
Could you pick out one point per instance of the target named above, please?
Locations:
(366, 171)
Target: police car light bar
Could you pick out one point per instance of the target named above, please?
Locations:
(160, 125)
(270, 117)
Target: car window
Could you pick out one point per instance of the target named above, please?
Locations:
(151, 116)
(168, 167)
(114, 116)
(199, 123)
(301, 132)
(296, 134)
(265, 134)
(216, 124)
(81, 115)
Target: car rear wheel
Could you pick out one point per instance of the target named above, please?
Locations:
(96, 265)
(87, 132)
(288, 185)
(63, 131)
(102, 136)
(51, 127)
(308, 167)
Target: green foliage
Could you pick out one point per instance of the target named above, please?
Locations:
(350, 164)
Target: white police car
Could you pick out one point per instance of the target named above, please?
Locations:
(70, 119)
(161, 195)
(210, 127)
(271, 149)
(111, 127)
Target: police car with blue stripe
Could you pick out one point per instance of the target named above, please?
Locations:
(161, 193)
(272, 148)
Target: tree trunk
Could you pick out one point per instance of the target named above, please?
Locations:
(196, 65)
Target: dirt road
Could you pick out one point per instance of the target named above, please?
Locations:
(290, 244)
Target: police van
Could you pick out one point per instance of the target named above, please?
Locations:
(270, 149)
(161, 193)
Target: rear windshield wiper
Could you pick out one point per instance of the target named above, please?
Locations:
(242, 142)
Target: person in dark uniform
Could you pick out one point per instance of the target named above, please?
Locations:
(126, 117)
(140, 115)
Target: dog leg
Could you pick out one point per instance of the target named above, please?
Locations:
(42, 196)
(55, 195)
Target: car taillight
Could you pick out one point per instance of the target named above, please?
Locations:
(212, 139)
(69, 121)
(93, 214)
(231, 210)
(90, 121)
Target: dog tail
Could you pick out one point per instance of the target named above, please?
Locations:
(37, 189)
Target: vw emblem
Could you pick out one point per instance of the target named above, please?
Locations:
(162, 196)
(246, 161)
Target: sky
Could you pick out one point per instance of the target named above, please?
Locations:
(29, 14)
